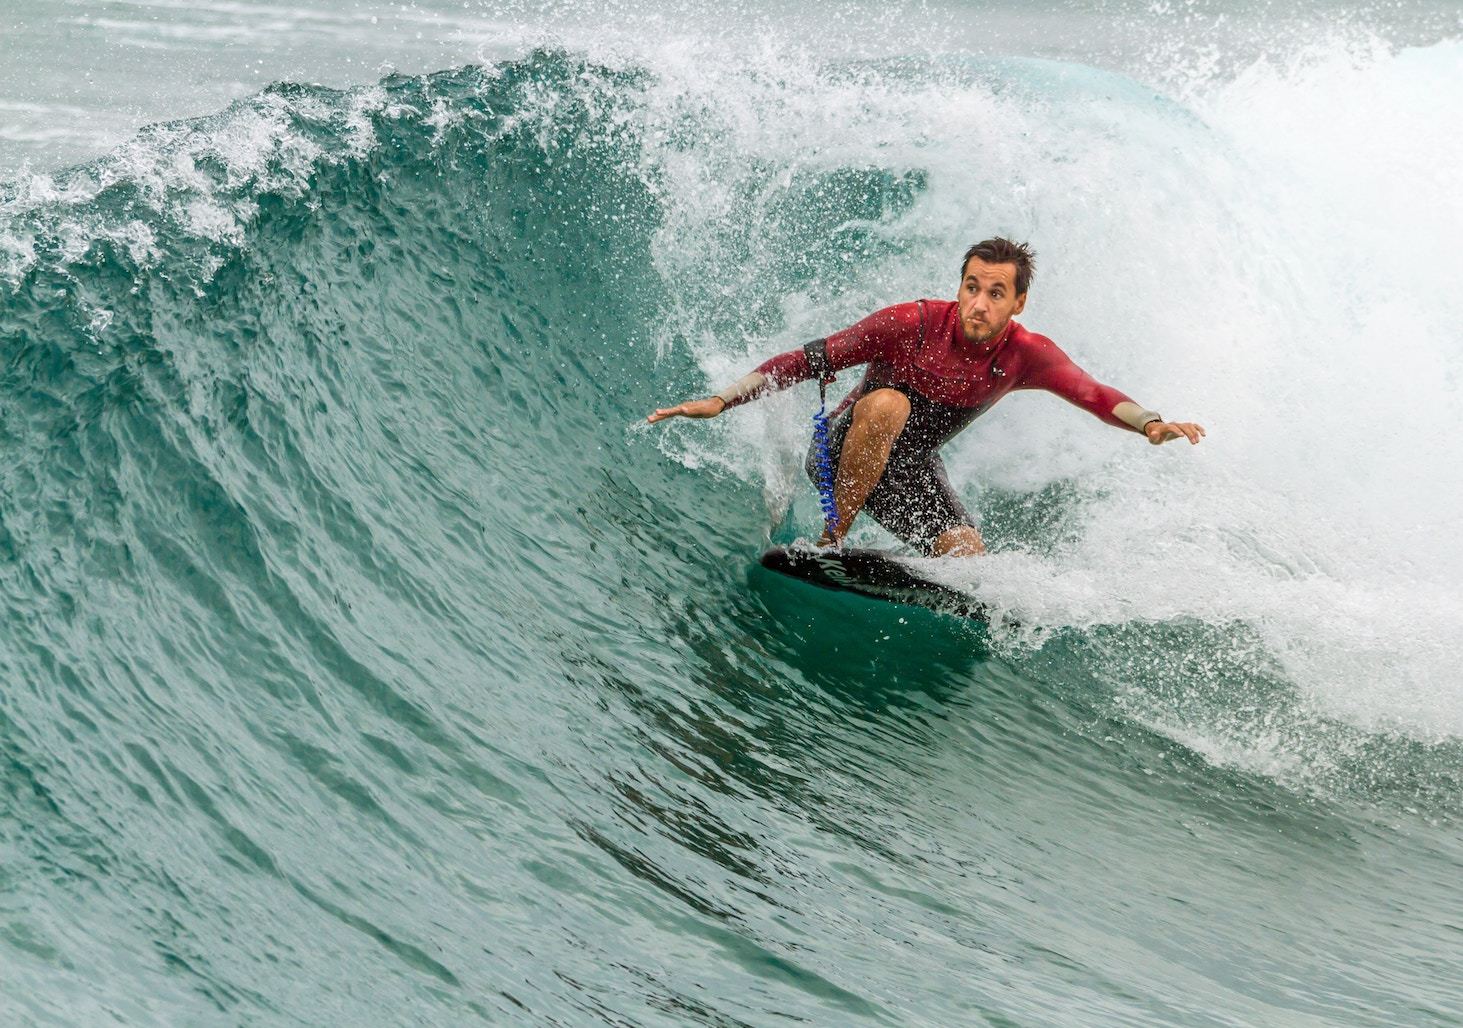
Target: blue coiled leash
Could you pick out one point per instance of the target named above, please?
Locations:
(823, 460)
(817, 354)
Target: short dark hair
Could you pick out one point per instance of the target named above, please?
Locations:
(1003, 251)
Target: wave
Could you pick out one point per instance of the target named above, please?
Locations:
(328, 509)
(527, 256)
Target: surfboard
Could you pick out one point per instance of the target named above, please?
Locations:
(871, 573)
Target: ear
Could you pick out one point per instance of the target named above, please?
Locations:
(1020, 305)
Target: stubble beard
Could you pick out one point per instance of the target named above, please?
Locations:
(980, 337)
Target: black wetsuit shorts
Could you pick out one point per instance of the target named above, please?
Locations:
(913, 498)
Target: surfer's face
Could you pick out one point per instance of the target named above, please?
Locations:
(988, 299)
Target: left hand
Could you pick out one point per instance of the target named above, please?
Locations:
(1160, 432)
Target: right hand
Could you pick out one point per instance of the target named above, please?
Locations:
(1160, 432)
(707, 408)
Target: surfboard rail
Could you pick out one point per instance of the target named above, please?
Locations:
(872, 573)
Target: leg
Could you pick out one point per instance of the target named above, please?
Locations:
(960, 541)
(914, 501)
(878, 418)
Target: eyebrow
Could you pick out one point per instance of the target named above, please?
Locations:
(994, 285)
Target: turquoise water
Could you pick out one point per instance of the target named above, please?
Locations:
(367, 660)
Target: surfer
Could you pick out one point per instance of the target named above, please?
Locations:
(933, 367)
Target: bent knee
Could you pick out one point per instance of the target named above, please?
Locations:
(887, 407)
(960, 541)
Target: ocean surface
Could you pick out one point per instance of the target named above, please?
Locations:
(366, 659)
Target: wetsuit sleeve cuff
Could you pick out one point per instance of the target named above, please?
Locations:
(1134, 416)
(743, 389)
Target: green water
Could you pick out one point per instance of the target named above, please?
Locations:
(366, 660)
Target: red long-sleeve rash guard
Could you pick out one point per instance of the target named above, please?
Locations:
(948, 369)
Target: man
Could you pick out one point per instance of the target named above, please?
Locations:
(933, 367)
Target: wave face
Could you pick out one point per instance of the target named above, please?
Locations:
(367, 660)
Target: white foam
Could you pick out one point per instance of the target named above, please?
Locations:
(1275, 257)
(199, 178)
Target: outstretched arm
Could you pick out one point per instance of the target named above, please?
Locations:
(878, 335)
(1054, 371)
